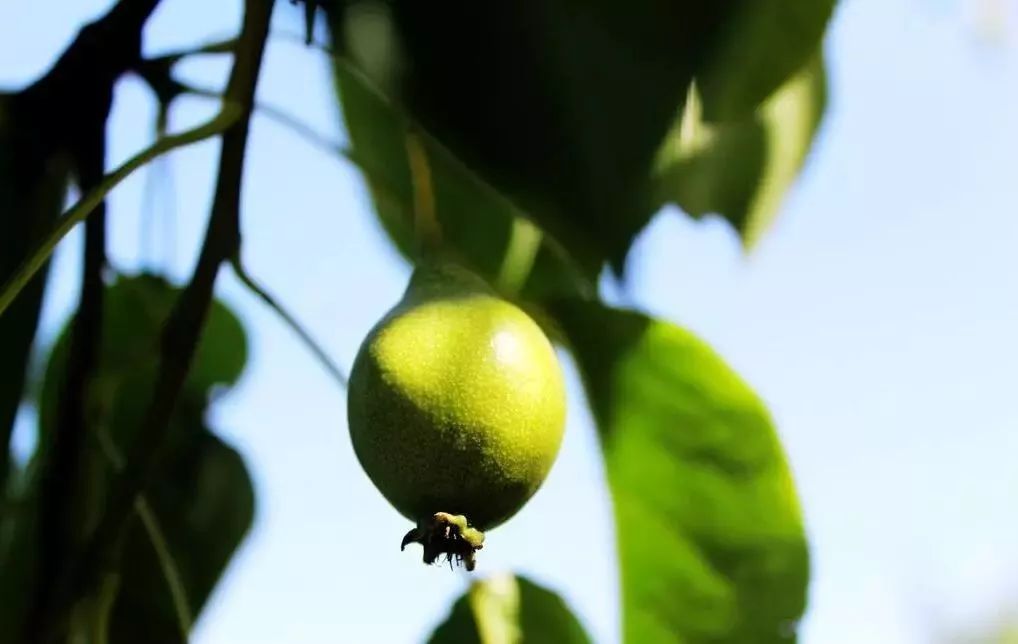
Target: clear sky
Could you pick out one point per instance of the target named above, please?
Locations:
(877, 320)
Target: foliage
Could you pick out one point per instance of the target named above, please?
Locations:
(508, 609)
(710, 538)
(542, 137)
(201, 500)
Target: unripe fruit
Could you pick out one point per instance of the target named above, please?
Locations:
(456, 408)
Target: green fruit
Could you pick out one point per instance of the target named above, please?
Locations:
(456, 406)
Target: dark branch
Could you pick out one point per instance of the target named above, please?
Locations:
(60, 529)
(183, 329)
(73, 100)
(74, 95)
(156, 72)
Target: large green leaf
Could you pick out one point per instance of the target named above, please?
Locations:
(710, 537)
(763, 43)
(32, 186)
(509, 610)
(742, 169)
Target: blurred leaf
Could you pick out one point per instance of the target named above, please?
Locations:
(202, 492)
(32, 186)
(743, 169)
(480, 225)
(204, 503)
(762, 45)
(711, 541)
(136, 308)
(509, 610)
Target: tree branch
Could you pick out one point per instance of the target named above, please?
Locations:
(157, 539)
(74, 100)
(312, 345)
(156, 72)
(60, 530)
(74, 94)
(183, 328)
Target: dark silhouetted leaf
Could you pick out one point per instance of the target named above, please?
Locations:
(509, 610)
(711, 541)
(743, 169)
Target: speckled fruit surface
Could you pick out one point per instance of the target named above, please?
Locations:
(456, 401)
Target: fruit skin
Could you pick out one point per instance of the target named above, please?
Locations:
(456, 401)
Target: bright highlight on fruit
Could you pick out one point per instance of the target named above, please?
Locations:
(456, 409)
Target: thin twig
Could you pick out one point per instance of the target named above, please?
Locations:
(174, 583)
(224, 46)
(312, 345)
(156, 71)
(299, 127)
(157, 538)
(286, 34)
(382, 190)
(229, 115)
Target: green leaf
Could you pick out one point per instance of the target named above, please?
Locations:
(508, 610)
(743, 169)
(763, 43)
(478, 223)
(204, 504)
(32, 187)
(710, 536)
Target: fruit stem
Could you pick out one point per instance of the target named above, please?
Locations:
(426, 227)
(449, 535)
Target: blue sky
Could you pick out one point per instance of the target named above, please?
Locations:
(877, 320)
